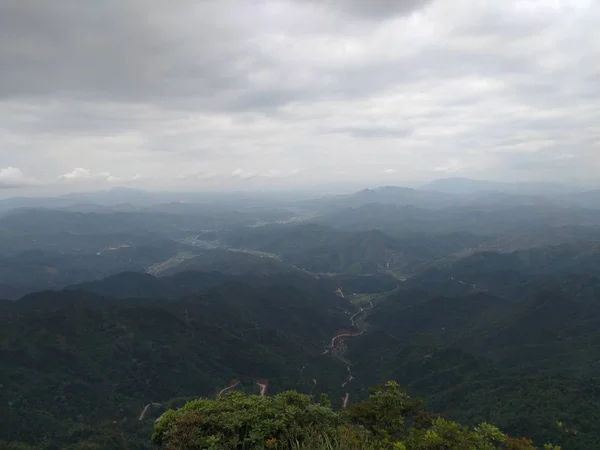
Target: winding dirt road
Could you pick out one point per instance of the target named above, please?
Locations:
(360, 311)
(464, 283)
(237, 382)
(350, 377)
(263, 387)
(338, 338)
(262, 384)
(345, 400)
(146, 408)
(339, 335)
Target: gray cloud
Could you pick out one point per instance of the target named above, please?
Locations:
(373, 9)
(372, 132)
(73, 47)
(131, 51)
(276, 87)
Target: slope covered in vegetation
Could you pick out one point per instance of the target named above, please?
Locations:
(388, 419)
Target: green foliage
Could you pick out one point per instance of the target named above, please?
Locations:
(510, 339)
(236, 420)
(325, 250)
(234, 263)
(15, 446)
(384, 412)
(75, 367)
(522, 362)
(387, 419)
(324, 401)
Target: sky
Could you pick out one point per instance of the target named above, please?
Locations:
(253, 94)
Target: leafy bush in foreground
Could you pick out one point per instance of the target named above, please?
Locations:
(387, 419)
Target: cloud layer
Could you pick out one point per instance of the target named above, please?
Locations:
(233, 93)
(11, 178)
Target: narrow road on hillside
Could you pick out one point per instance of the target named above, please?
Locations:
(343, 335)
(146, 408)
(475, 288)
(360, 311)
(338, 338)
(262, 384)
(345, 400)
(263, 387)
(228, 388)
(350, 377)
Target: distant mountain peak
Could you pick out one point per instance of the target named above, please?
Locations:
(368, 191)
(459, 185)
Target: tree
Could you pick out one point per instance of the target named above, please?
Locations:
(236, 420)
(388, 419)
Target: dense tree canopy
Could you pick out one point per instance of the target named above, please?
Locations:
(387, 418)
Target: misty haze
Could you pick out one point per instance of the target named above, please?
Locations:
(299, 224)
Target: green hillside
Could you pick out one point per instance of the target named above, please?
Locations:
(58, 353)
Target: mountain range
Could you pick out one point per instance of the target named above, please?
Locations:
(485, 304)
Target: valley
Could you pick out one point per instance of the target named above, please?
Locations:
(113, 319)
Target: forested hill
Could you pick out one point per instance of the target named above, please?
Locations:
(486, 307)
(58, 353)
(524, 361)
(524, 364)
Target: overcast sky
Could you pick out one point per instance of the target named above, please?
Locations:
(254, 93)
